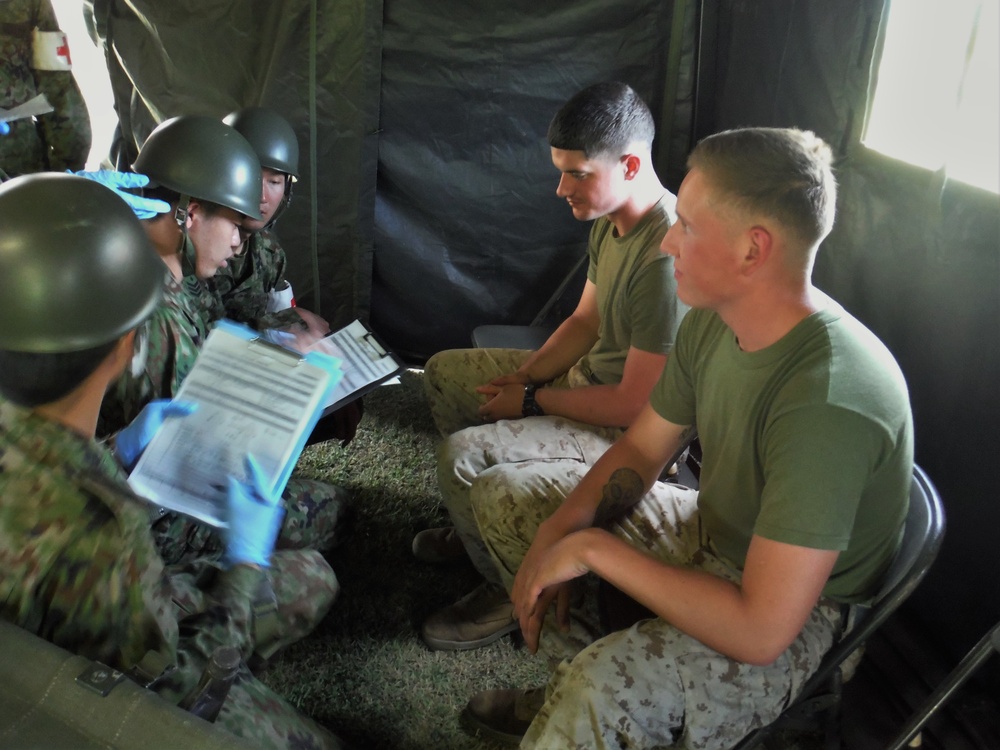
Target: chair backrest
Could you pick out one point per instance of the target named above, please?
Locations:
(922, 535)
(558, 307)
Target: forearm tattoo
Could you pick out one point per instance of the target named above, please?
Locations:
(623, 490)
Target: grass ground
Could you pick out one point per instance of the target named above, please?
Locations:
(364, 672)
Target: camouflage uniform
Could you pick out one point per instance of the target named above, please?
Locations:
(638, 307)
(59, 140)
(243, 286)
(769, 421)
(240, 292)
(166, 348)
(657, 685)
(78, 568)
(550, 452)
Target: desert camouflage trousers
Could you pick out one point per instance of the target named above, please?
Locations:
(304, 589)
(452, 376)
(550, 453)
(651, 685)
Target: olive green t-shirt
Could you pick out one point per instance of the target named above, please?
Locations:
(636, 292)
(807, 442)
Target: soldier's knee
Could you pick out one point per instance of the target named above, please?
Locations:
(497, 511)
(320, 584)
(433, 369)
(574, 683)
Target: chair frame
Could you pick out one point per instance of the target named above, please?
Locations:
(988, 645)
(535, 334)
(922, 536)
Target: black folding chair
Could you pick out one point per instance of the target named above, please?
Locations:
(820, 699)
(988, 645)
(544, 323)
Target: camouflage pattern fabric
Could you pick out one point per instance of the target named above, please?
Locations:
(650, 685)
(551, 452)
(206, 300)
(243, 286)
(59, 140)
(78, 568)
(637, 306)
(315, 514)
(452, 376)
(166, 347)
(302, 582)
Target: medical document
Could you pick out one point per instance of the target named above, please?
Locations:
(253, 397)
(364, 361)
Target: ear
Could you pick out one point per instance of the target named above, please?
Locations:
(194, 208)
(632, 164)
(760, 244)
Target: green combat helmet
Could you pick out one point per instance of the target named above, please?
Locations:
(203, 158)
(271, 137)
(274, 141)
(76, 267)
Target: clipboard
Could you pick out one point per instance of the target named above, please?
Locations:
(253, 397)
(365, 361)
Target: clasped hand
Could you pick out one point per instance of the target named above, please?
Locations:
(505, 396)
(545, 574)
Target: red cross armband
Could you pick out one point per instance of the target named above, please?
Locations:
(50, 51)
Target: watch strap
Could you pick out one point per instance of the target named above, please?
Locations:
(529, 406)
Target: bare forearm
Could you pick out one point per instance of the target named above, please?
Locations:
(563, 349)
(614, 484)
(601, 405)
(706, 607)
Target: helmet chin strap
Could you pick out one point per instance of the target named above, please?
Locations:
(285, 200)
(181, 212)
(185, 248)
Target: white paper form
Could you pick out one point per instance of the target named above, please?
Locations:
(39, 105)
(365, 362)
(252, 398)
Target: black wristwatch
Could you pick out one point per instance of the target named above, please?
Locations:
(530, 407)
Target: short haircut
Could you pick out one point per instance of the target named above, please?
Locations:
(783, 173)
(31, 379)
(605, 118)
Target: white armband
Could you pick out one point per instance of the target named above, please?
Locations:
(50, 51)
(280, 299)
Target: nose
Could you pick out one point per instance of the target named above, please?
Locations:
(562, 189)
(669, 245)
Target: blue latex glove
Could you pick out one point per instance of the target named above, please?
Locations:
(131, 441)
(143, 208)
(253, 518)
(4, 128)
